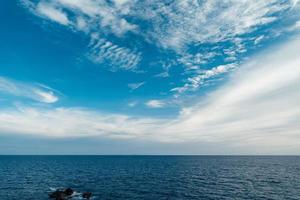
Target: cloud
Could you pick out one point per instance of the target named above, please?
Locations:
(134, 86)
(167, 25)
(294, 27)
(133, 104)
(297, 24)
(170, 24)
(198, 80)
(295, 2)
(259, 106)
(162, 75)
(258, 39)
(257, 109)
(195, 60)
(155, 103)
(72, 122)
(96, 19)
(110, 16)
(107, 16)
(35, 92)
(117, 57)
(208, 21)
(55, 14)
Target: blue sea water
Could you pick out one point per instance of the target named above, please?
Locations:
(151, 177)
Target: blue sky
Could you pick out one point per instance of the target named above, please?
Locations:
(150, 77)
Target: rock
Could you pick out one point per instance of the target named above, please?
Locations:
(61, 195)
(57, 195)
(87, 195)
(68, 191)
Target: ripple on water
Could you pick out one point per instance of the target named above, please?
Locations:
(151, 177)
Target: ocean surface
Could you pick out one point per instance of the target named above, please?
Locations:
(151, 177)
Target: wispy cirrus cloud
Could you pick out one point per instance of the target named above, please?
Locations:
(218, 30)
(200, 78)
(295, 2)
(96, 19)
(165, 24)
(171, 26)
(208, 21)
(134, 86)
(35, 92)
(133, 104)
(116, 56)
(110, 16)
(154, 103)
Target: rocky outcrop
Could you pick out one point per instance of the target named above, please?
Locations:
(67, 194)
(69, 191)
(87, 195)
(61, 195)
(58, 195)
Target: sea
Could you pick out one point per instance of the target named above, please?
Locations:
(151, 177)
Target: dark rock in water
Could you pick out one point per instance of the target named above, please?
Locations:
(61, 195)
(68, 191)
(87, 195)
(57, 195)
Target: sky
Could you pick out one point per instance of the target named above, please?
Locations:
(150, 77)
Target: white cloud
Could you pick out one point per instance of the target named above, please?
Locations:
(173, 25)
(162, 75)
(257, 110)
(258, 39)
(208, 21)
(295, 2)
(53, 13)
(96, 19)
(133, 104)
(155, 103)
(199, 79)
(46, 96)
(35, 92)
(108, 16)
(116, 56)
(134, 86)
(259, 106)
(81, 24)
(194, 61)
(294, 27)
(72, 122)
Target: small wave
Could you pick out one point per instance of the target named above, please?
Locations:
(52, 189)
